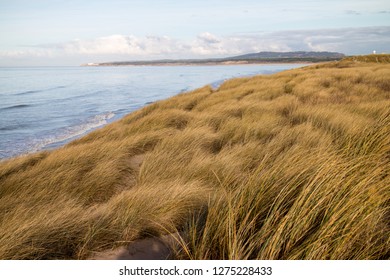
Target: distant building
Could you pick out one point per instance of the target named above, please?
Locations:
(374, 52)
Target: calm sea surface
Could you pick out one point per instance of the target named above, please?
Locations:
(46, 107)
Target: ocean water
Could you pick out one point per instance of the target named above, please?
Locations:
(46, 107)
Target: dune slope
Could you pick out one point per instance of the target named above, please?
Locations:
(293, 165)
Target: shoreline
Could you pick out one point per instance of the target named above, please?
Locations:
(48, 144)
(225, 63)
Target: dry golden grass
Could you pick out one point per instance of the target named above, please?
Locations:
(289, 166)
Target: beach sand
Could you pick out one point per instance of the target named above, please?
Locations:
(152, 248)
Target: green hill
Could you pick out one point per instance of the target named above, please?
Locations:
(261, 57)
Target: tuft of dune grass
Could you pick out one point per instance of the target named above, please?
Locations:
(293, 165)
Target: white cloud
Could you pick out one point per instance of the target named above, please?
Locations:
(114, 44)
(129, 47)
(208, 38)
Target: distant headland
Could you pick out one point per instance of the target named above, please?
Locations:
(251, 58)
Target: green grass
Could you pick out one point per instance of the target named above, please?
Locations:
(293, 165)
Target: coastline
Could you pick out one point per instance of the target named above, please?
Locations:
(250, 58)
(153, 85)
(224, 63)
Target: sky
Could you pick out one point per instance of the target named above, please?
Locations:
(72, 32)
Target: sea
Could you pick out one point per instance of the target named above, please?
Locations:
(46, 107)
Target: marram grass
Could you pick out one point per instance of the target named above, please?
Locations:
(293, 165)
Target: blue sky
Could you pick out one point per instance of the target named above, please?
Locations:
(71, 32)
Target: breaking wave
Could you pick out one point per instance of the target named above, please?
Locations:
(71, 132)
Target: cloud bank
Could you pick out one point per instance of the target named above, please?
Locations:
(129, 47)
